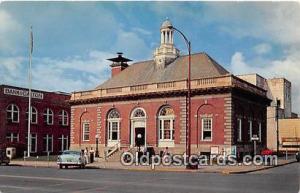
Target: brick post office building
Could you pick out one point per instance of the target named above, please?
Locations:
(50, 128)
(149, 98)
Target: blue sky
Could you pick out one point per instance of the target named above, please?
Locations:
(72, 40)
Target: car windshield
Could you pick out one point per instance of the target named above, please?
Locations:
(71, 152)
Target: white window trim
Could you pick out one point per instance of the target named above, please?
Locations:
(83, 131)
(202, 130)
(259, 131)
(62, 138)
(49, 113)
(109, 133)
(166, 118)
(240, 129)
(137, 118)
(36, 115)
(62, 115)
(35, 145)
(11, 137)
(47, 143)
(12, 112)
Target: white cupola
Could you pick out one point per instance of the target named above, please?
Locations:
(166, 53)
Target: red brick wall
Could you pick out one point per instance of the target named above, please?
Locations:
(56, 102)
(223, 108)
(151, 108)
(214, 106)
(87, 114)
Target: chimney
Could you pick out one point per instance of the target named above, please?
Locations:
(119, 64)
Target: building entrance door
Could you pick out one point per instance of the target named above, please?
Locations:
(140, 136)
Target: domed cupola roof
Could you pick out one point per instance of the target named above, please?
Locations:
(166, 53)
(166, 24)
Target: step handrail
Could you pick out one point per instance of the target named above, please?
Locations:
(112, 150)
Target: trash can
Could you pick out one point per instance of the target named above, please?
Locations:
(91, 157)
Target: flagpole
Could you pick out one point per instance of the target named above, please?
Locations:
(29, 93)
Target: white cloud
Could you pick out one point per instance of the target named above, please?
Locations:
(274, 21)
(288, 67)
(132, 45)
(11, 69)
(262, 48)
(73, 73)
(277, 23)
(9, 30)
(238, 65)
(142, 31)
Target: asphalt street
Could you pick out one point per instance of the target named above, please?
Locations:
(15, 179)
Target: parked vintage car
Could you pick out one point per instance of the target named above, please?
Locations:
(3, 158)
(71, 158)
(267, 152)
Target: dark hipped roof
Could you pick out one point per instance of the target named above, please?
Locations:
(203, 66)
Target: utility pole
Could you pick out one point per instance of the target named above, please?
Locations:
(277, 126)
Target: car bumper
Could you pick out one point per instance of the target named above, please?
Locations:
(70, 163)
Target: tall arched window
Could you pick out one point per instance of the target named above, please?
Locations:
(34, 115)
(63, 118)
(12, 113)
(166, 120)
(113, 123)
(48, 116)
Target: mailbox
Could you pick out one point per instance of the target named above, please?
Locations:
(11, 152)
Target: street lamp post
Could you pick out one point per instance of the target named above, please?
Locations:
(188, 101)
(97, 143)
(80, 127)
(139, 137)
(139, 143)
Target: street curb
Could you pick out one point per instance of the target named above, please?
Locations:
(256, 170)
(161, 170)
(156, 170)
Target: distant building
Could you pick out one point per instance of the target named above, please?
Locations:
(148, 99)
(289, 135)
(279, 91)
(50, 125)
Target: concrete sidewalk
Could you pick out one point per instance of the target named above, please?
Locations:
(101, 164)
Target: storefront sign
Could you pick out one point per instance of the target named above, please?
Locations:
(23, 93)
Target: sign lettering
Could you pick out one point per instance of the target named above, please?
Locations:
(23, 93)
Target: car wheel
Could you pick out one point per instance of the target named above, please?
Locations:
(66, 167)
(60, 166)
(6, 164)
